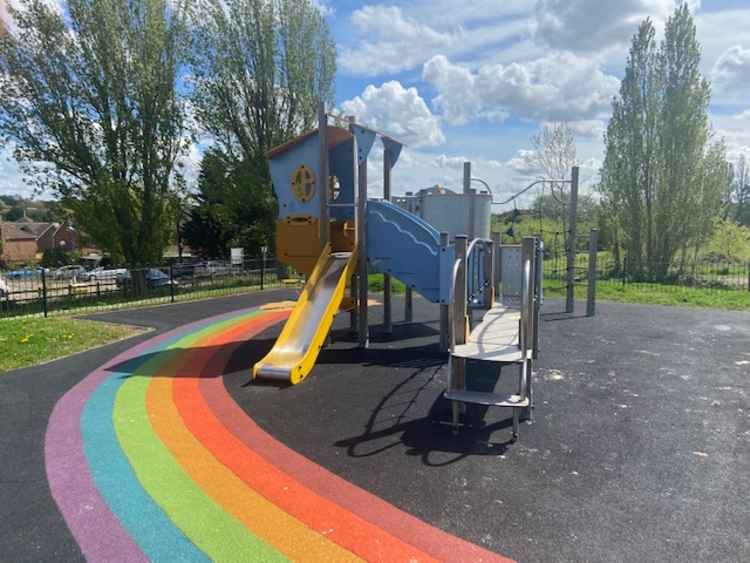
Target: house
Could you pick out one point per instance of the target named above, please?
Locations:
(25, 241)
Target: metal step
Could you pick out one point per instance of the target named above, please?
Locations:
(489, 352)
(486, 399)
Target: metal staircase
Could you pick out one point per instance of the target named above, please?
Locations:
(507, 334)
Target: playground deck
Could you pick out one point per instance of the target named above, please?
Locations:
(640, 449)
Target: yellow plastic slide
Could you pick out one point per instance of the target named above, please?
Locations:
(306, 329)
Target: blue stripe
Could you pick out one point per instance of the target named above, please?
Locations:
(112, 474)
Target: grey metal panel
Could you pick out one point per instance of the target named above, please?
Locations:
(449, 213)
(512, 271)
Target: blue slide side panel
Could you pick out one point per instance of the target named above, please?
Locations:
(401, 244)
(420, 229)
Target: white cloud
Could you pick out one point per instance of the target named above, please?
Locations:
(595, 25)
(587, 128)
(731, 72)
(735, 130)
(398, 111)
(525, 163)
(560, 86)
(391, 41)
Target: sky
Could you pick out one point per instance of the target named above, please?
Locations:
(460, 80)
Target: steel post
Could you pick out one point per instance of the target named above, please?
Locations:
(387, 318)
(591, 293)
(572, 234)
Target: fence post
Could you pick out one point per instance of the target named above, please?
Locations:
(748, 276)
(591, 293)
(44, 294)
(171, 283)
(262, 271)
(572, 215)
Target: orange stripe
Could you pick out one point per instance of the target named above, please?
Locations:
(261, 517)
(349, 497)
(339, 525)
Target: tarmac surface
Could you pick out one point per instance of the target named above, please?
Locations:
(640, 449)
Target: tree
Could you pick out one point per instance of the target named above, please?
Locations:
(664, 179)
(554, 155)
(629, 176)
(261, 68)
(740, 194)
(90, 100)
(234, 208)
(683, 142)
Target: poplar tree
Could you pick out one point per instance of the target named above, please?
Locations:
(261, 68)
(664, 178)
(89, 99)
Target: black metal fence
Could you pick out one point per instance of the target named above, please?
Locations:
(73, 288)
(708, 275)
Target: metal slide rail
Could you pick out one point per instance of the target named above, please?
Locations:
(479, 273)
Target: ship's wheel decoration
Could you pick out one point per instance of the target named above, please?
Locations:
(303, 183)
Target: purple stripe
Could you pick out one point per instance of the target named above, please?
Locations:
(93, 525)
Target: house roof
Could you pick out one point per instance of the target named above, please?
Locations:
(25, 230)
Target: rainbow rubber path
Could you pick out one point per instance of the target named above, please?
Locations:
(149, 458)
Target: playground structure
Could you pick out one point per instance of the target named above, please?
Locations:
(330, 231)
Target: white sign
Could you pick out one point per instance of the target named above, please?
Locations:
(238, 256)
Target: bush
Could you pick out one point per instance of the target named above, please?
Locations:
(730, 241)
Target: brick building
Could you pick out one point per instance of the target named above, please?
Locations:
(26, 241)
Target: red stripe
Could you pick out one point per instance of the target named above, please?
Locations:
(337, 524)
(396, 522)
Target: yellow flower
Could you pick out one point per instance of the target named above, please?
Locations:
(25, 339)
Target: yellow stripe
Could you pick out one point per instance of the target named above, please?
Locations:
(263, 518)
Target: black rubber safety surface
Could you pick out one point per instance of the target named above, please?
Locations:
(640, 449)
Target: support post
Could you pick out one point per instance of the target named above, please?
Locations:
(458, 365)
(363, 330)
(322, 182)
(444, 313)
(591, 293)
(572, 234)
(387, 318)
(469, 193)
(496, 261)
(171, 283)
(408, 305)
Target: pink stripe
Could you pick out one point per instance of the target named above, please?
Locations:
(95, 528)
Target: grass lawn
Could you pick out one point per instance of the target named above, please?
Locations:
(375, 283)
(658, 294)
(29, 341)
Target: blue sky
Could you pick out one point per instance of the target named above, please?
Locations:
(475, 79)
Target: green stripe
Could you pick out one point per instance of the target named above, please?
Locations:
(205, 523)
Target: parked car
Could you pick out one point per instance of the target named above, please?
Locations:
(183, 270)
(4, 291)
(27, 273)
(107, 274)
(70, 272)
(212, 268)
(155, 278)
